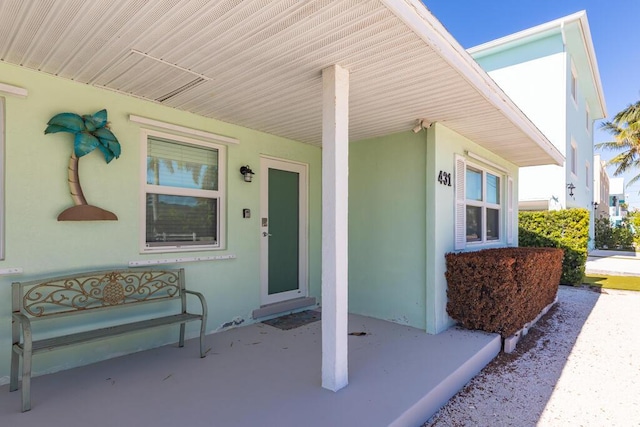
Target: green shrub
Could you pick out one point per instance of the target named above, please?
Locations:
(604, 233)
(501, 290)
(619, 236)
(566, 229)
(622, 236)
(633, 218)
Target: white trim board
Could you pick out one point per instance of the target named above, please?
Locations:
(487, 162)
(10, 271)
(142, 263)
(8, 89)
(209, 136)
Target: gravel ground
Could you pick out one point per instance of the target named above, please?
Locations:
(578, 366)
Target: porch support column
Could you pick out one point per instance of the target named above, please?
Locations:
(335, 197)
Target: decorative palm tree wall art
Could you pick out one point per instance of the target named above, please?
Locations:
(90, 131)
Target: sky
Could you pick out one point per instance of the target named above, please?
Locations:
(614, 31)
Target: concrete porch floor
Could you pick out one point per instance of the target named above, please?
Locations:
(259, 375)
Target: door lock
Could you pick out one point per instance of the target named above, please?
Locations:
(265, 234)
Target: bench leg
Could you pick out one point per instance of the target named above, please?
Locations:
(15, 364)
(181, 341)
(27, 353)
(26, 382)
(15, 356)
(203, 325)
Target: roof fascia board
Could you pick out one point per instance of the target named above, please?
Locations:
(585, 32)
(415, 15)
(511, 41)
(538, 31)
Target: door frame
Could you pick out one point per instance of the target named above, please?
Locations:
(267, 162)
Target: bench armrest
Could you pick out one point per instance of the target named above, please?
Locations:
(202, 300)
(27, 336)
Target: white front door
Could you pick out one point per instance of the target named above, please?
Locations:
(283, 230)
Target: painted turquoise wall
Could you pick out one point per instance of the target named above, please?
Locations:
(577, 129)
(443, 144)
(523, 52)
(401, 224)
(387, 230)
(37, 191)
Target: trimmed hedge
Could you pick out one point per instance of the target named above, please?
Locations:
(567, 229)
(501, 290)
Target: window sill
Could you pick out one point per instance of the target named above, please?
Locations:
(483, 245)
(139, 263)
(178, 249)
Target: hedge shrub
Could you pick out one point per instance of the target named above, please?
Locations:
(567, 229)
(609, 236)
(501, 290)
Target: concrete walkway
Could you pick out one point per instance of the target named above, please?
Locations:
(614, 263)
(259, 375)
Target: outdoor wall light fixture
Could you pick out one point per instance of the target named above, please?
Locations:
(595, 205)
(571, 187)
(247, 173)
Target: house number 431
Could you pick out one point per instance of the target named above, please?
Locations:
(444, 178)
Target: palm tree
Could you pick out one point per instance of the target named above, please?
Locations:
(625, 128)
(90, 132)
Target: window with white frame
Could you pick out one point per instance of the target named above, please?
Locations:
(588, 175)
(481, 206)
(588, 119)
(482, 195)
(184, 193)
(574, 158)
(574, 83)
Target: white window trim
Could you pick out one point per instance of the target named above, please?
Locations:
(145, 188)
(484, 205)
(506, 207)
(510, 211)
(460, 210)
(589, 176)
(204, 135)
(573, 82)
(588, 119)
(8, 89)
(573, 165)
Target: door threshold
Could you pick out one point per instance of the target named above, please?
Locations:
(283, 306)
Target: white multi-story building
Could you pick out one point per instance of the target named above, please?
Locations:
(551, 73)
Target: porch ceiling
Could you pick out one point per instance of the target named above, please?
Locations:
(257, 63)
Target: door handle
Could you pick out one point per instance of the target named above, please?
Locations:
(265, 234)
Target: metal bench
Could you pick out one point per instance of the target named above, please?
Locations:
(85, 293)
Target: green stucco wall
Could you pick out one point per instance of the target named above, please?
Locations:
(401, 224)
(37, 191)
(387, 230)
(443, 145)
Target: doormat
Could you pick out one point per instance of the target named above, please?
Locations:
(292, 321)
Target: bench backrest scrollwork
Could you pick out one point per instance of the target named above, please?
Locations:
(95, 290)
